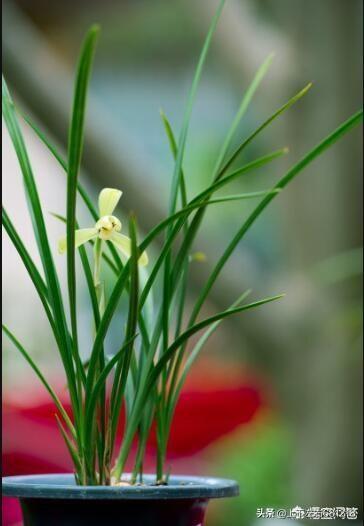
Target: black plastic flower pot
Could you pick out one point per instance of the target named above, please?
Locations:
(55, 500)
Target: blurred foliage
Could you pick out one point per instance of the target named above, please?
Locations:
(260, 459)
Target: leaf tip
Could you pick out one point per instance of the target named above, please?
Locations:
(95, 29)
(132, 216)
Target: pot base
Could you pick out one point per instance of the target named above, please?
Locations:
(46, 512)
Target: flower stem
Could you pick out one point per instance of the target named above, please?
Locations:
(97, 262)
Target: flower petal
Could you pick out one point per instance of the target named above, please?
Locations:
(108, 199)
(123, 244)
(81, 236)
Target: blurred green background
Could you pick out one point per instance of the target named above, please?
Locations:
(307, 349)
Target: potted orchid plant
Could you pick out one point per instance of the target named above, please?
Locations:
(145, 377)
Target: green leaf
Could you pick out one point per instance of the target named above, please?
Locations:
(153, 375)
(176, 387)
(197, 220)
(71, 448)
(197, 327)
(110, 308)
(175, 390)
(247, 98)
(75, 147)
(191, 232)
(181, 294)
(253, 165)
(173, 147)
(177, 175)
(88, 273)
(41, 377)
(260, 128)
(92, 399)
(282, 183)
(62, 162)
(187, 242)
(36, 214)
(123, 366)
(190, 101)
(199, 203)
(30, 266)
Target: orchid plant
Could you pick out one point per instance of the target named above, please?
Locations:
(148, 372)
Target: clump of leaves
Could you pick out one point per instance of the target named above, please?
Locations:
(148, 372)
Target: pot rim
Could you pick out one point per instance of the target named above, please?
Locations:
(63, 486)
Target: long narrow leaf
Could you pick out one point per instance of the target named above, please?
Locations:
(75, 147)
(30, 266)
(244, 105)
(92, 400)
(187, 115)
(156, 371)
(197, 327)
(260, 128)
(183, 288)
(63, 163)
(41, 377)
(70, 447)
(284, 181)
(123, 366)
(176, 389)
(40, 232)
(201, 203)
(176, 179)
(187, 242)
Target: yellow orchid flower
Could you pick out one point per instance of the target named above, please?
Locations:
(107, 228)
